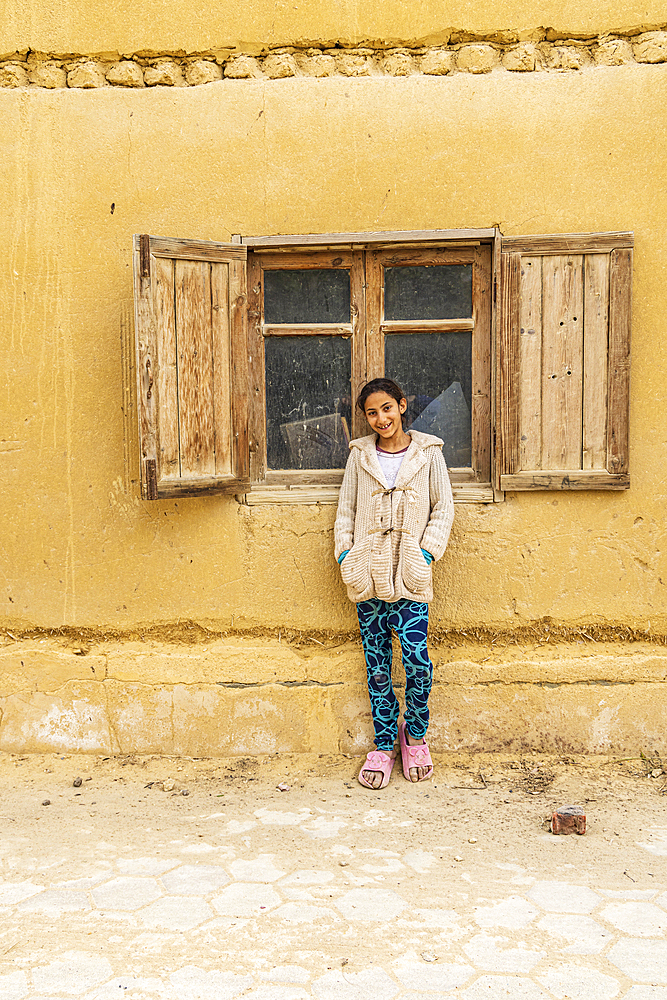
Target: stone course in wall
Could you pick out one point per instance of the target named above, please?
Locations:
(463, 53)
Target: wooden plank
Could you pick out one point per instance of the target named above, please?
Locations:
(408, 236)
(562, 361)
(358, 424)
(496, 313)
(596, 343)
(167, 368)
(256, 386)
(161, 246)
(426, 244)
(222, 391)
(567, 243)
(620, 317)
(509, 362)
(339, 260)
(309, 330)
(240, 383)
(263, 494)
(428, 326)
(425, 257)
(195, 359)
(374, 318)
(481, 365)
(146, 353)
(574, 479)
(303, 477)
(201, 486)
(530, 364)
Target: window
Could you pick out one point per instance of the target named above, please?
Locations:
(514, 351)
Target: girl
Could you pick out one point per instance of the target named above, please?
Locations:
(394, 516)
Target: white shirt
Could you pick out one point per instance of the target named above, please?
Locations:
(390, 463)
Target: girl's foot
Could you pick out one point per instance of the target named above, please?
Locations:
(417, 763)
(376, 779)
(416, 773)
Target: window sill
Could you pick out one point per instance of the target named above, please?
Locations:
(463, 493)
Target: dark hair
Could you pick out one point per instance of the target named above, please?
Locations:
(379, 385)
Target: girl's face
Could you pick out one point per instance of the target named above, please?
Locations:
(384, 414)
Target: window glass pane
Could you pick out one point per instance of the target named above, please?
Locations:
(314, 295)
(434, 370)
(307, 402)
(441, 291)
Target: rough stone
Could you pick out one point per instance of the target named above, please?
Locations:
(564, 57)
(202, 71)
(513, 912)
(477, 58)
(246, 900)
(13, 986)
(567, 820)
(86, 76)
(48, 75)
(126, 893)
(370, 903)
(243, 68)
(260, 869)
(561, 897)
(317, 63)
(427, 978)
(521, 58)
(613, 52)
(340, 985)
(353, 64)
(191, 880)
(637, 918)
(165, 73)
(437, 62)
(73, 972)
(16, 892)
(146, 866)
(398, 64)
(488, 953)
(125, 74)
(56, 901)
(587, 936)
(576, 983)
(13, 75)
(497, 987)
(193, 983)
(651, 47)
(176, 914)
(643, 961)
(279, 65)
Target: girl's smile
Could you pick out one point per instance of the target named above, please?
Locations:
(384, 414)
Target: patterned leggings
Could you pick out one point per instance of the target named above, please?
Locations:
(409, 619)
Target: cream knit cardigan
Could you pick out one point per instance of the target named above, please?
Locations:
(386, 529)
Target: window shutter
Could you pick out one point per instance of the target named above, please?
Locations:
(190, 312)
(565, 362)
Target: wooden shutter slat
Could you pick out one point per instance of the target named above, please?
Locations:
(481, 365)
(562, 343)
(195, 367)
(596, 337)
(530, 364)
(239, 352)
(222, 404)
(167, 376)
(509, 361)
(620, 308)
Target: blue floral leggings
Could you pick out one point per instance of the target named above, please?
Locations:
(409, 619)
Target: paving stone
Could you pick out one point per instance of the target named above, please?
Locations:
(193, 983)
(132, 987)
(14, 986)
(195, 880)
(486, 952)
(577, 983)
(244, 899)
(420, 916)
(657, 844)
(177, 913)
(73, 972)
(587, 936)
(638, 918)
(646, 993)
(146, 866)
(300, 912)
(56, 901)
(126, 893)
(495, 987)
(275, 817)
(420, 861)
(561, 897)
(309, 876)
(16, 892)
(323, 828)
(432, 976)
(286, 974)
(87, 882)
(370, 903)
(514, 911)
(260, 869)
(628, 893)
(662, 900)
(373, 983)
(644, 961)
(275, 992)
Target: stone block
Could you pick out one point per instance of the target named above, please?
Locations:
(398, 64)
(279, 65)
(316, 63)
(202, 71)
(243, 68)
(564, 57)
(48, 75)
(73, 719)
(613, 52)
(438, 62)
(521, 58)
(476, 58)
(140, 715)
(651, 47)
(165, 73)
(13, 75)
(125, 74)
(568, 819)
(35, 667)
(86, 76)
(353, 64)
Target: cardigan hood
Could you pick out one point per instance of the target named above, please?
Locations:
(415, 457)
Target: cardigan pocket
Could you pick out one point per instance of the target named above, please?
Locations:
(415, 571)
(355, 568)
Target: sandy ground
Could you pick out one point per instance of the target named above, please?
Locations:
(117, 885)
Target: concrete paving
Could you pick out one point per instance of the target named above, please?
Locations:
(453, 888)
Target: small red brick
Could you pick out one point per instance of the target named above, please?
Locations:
(569, 819)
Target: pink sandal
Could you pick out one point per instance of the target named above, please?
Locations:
(418, 756)
(377, 760)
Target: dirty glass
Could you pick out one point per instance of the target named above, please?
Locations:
(307, 402)
(435, 372)
(441, 291)
(312, 295)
